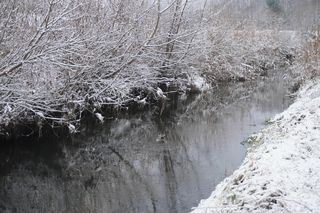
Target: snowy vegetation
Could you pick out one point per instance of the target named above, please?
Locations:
(281, 170)
(59, 59)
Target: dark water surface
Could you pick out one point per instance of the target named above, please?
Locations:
(140, 163)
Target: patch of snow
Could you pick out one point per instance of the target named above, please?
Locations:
(160, 137)
(7, 109)
(40, 114)
(281, 172)
(100, 117)
(72, 128)
(143, 101)
(109, 99)
(160, 93)
(199, 82)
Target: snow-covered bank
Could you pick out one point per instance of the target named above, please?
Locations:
(281, 172)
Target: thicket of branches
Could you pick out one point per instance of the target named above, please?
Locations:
(61, 58)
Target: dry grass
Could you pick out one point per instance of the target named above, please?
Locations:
(311, 54)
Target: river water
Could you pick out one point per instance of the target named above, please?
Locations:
(141, 163)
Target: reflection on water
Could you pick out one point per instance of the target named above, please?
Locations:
(141, 163)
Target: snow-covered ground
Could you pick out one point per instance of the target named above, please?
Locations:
(281, 172)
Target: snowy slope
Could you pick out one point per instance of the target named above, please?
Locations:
(281, 172)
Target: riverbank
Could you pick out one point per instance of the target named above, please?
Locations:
(281, 170)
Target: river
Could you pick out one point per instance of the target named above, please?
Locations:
(140, 162)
